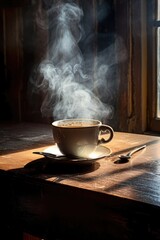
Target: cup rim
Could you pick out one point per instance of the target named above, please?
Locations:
(97, 122)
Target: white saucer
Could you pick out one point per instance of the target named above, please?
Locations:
(98, 153)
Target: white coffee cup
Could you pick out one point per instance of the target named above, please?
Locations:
(79, 137)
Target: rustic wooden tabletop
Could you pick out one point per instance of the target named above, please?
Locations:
(101, 196)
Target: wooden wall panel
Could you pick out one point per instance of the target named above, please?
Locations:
(132, 93)
(13, 57)
(25, 45)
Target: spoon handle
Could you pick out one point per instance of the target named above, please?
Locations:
(135, 150)
(45, 154)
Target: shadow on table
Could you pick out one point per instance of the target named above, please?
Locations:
(50, 167)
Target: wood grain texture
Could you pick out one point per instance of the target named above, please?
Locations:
(95, 201)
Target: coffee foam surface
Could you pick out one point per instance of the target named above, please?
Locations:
(77, 124)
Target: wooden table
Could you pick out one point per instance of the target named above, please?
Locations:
(102, 200)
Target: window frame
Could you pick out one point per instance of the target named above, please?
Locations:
(153, 123)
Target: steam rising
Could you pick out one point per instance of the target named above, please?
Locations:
(75, 85)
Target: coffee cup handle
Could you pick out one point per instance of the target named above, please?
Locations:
(103, 129)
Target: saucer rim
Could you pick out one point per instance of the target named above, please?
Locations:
(79, 159)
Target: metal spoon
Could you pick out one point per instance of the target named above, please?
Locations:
(125, 158)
